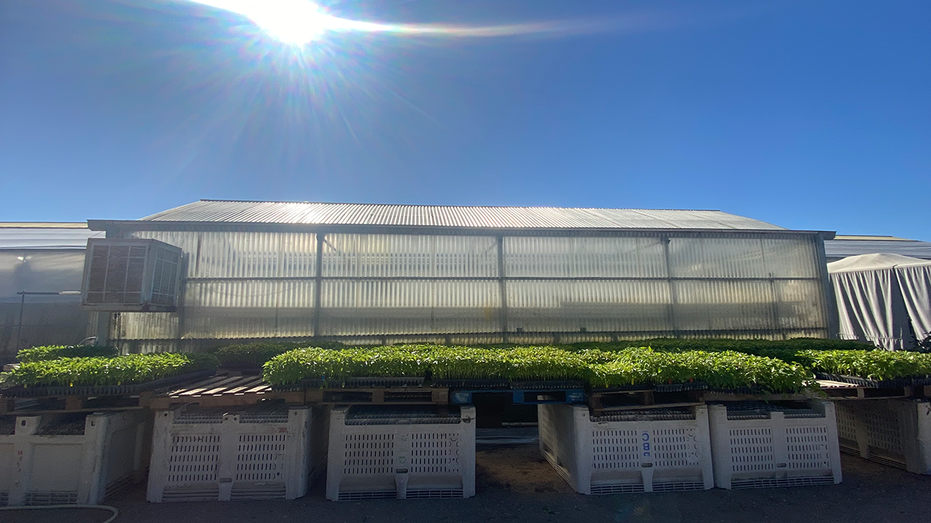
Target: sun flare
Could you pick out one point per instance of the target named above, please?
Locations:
(300, 22)
(295, 22)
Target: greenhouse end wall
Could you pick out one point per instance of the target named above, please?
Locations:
(40, 300)
(467, 288)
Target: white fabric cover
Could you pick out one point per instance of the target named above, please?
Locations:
(880, 296)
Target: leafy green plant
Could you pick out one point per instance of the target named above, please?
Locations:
(725, 370)
(517, 364)
(635, 366)
(748, 346)
(874, 365)
(54, 352)
(119, 370)
(254, 355)
(312, 363)
(924, 344)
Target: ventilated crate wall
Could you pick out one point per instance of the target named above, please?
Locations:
(388, 452)
(636, 451)
(892, 432)
(70, 458)
(759, 445)
(223, 454)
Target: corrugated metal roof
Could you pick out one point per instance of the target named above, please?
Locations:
(310, 213)
(874, 262)
(51, 236)
(842, 247)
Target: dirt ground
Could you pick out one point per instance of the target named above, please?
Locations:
(514, 483)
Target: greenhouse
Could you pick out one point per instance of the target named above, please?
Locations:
(372, 273)
(40, 283)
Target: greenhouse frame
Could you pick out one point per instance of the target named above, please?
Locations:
(373, 273)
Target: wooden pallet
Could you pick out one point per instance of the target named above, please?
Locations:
(379, 395)
(74, 403)
(87, 398)
(622, 400)
(521, 396)
(235, 389)
(839, 390)
(227, 390)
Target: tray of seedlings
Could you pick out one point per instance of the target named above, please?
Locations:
(98, 381)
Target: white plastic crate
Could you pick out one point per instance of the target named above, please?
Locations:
(652, 450)
(761, 445)
(70, 458)
(223, 454)
(393, 451)
(892, 432)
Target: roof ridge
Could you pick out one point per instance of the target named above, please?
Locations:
(456, 205)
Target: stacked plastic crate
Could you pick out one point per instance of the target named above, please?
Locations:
(74, 458)
(894, 432)
(403, 452)
(649, 450)
(758, 444)
(263, 451)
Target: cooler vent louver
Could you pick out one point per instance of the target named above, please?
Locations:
(131, 275)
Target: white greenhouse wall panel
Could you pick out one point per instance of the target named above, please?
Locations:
(716, 258)
(249, 308)
(791, 257)
(350, 307)
(571, 305)
(51, 319)
(729, 305)
(393, 255)
(801, 307)
(242, 254)
(253, 285)
(612, 257)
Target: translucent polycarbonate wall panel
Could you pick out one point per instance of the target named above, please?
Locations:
(43, 319)
(710, 257)
(187, 241)
(412, 256)
(792, 257)
(248, 308)
(257, 285)
(800, 305)
(605, 306)
(46, 320)
(243, 254)
(40, 271)
(717, 305)
(144, 326)
(351, 307)
(558, 257)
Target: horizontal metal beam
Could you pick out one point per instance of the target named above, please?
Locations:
(487, 278)
(621, 335)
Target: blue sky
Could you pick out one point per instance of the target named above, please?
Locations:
(809, 115)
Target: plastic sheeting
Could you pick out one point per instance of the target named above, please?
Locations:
(40, 318)
(883, 298)
(246, 284)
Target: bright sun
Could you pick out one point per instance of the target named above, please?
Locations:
(295, 22)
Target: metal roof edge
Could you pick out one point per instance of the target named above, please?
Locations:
(145, 225)
(43, 225)
(221, 200)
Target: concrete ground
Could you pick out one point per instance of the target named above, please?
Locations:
(513, 483)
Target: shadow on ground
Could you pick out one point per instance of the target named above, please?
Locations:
(514, 483)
